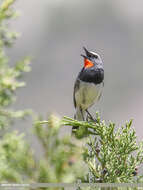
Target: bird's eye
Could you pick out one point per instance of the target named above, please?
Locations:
(96, 56)
(93, 56)
(90, 55)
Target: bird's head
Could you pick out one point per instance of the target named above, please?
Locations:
(91, 59)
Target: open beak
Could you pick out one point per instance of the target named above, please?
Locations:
(87, 52)
(84, 56)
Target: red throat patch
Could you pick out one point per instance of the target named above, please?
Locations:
(88, 63)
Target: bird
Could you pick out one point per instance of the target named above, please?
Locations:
(88, 86)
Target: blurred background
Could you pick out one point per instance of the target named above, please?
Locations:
(54, 32)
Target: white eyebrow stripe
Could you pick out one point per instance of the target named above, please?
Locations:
(95, 53)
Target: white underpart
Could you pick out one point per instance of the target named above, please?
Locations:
(87, 95)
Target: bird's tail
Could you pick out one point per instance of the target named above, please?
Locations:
(80, 116)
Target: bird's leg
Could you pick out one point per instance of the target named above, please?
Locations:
(82, 113)
(86, 117)
(88, 114)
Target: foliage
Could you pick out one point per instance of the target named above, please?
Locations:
(18, 163)
(16, 158)
(13, 160)
(109, 154)
(62, 156)
(112, 155)
(9, 75)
